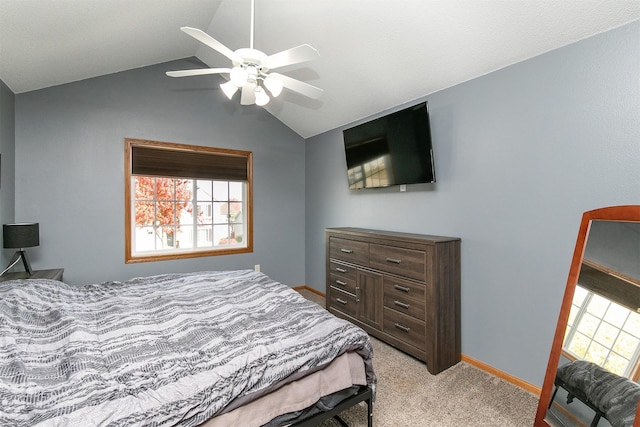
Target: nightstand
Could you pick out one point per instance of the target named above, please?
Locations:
(54, 274)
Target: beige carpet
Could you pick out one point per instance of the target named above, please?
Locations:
(463, 395)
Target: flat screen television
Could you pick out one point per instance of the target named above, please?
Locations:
(391, 150)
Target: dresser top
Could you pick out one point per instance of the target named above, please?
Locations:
(53, 274)
(366, 232)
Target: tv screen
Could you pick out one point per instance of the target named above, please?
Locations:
(391, 150)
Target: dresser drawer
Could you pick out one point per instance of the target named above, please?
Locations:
(342, 283)
(403, 289)
(343, 302)
(349, 250)
(405, 305)
(403, 262)
(405, 328)
(342, 270)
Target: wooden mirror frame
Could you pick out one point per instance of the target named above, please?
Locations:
(614, 213)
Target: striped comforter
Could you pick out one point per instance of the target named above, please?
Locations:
(167, 350)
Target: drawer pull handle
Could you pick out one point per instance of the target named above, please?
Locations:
(393, 260)
(341, 301)
(341, 283)
(401, 304)
(340, 270)
(402, 328)
(401, 288)
(346, 251)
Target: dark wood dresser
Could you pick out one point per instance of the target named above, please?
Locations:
(401, 288)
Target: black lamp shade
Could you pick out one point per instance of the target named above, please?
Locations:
(21, 235)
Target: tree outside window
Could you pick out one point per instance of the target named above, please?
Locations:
(159, 203)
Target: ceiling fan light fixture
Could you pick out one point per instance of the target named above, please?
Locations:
(229, 89)
(238, 76)
(274, 85)
(261, 96)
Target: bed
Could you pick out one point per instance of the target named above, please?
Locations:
(208, 348)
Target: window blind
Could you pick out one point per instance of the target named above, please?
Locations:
(619, 289)
(181, 163)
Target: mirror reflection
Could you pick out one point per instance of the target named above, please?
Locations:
(596, 383)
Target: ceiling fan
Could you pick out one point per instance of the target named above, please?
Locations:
(251, 69)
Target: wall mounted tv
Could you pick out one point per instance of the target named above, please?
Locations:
(391, 150)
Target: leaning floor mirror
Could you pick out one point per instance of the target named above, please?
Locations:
(594, 365)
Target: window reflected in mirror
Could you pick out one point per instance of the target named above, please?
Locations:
(603, 332)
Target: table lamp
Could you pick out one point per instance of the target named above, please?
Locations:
(19, 236)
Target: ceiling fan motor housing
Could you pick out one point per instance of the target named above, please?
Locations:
(251, 69)
(251, 57)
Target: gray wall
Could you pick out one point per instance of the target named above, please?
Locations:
(70, 170)
(520, 154)
(7, 156)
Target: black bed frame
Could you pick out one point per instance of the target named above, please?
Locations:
(366, 394)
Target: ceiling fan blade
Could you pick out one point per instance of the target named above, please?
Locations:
(294, 55)
(198, 72)
(298, 86)
(211, 42)
(248, 96)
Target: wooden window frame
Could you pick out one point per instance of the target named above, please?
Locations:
(188, 151)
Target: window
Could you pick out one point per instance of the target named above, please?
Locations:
(185, 201)
(603, 332)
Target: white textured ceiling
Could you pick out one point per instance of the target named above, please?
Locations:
(374, 54)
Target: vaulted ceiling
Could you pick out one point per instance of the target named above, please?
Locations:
(374, 54)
